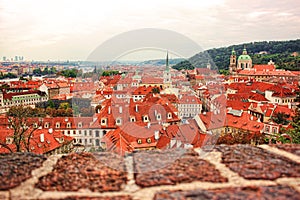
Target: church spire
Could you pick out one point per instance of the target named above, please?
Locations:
(233, 51)
(167, 62)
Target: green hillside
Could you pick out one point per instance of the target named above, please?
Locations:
(279, 51)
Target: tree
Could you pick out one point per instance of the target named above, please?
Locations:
(155, 90)
(51, 104)
(109, 73)
(295, 132)
(20, 121)
(183, 65)
(280, 118)
(64, 105)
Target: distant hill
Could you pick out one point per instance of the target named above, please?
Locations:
(279, 51)
(159, 62)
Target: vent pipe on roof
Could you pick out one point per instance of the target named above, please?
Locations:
(42, 137)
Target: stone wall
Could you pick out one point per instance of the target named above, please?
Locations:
(226, 172)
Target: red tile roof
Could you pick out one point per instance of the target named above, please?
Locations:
(189, 99)
(41, 142)
(264, 67)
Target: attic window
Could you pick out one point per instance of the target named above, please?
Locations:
(149, 140)
(46, 125)
(9, 140)
(57, 125)
(119, 121)
(145, 118)
(80, 125)
(132, 119)
(169, 115)
(158, 116)
(103, 121)
(69, 125)
(139, 141)
(35, 125)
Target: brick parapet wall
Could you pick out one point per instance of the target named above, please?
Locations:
(239, 171)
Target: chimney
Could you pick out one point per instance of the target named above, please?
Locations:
(148, 125)
(42, 137)
(136, 108)
(251, 118)
(120, 109)
(109, 110)
(50, 130)
(156, 135)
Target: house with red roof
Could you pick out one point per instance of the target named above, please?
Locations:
(28, 98)
(263, 72)
(234, 126)
(281, 95)
(152, 81)
(116, 113)
(42, 142)
(140, 92)
(189, 106)
(85, 131)
(134, 137)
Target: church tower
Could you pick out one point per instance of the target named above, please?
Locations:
(167, 74)
(244, 60)
(232, 64)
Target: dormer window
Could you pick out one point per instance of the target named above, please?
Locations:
(158, 116)
(80, 125)
(57, 125)
(46, 125)
(119, 121)
(139, 141)
(103, 121)
(68, 125)
(169, 115)
(132, 119)
(145, 118)
(9, 140)
(149, 140)
(35, 125)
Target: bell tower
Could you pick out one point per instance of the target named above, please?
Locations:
(232, 64)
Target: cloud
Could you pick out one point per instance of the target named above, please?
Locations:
(72, 29)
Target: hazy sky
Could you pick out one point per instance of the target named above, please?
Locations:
(69, 29)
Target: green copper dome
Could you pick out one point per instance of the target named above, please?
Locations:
(244, 57)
